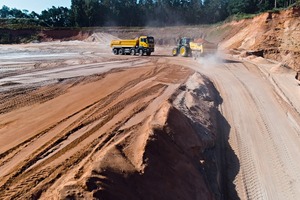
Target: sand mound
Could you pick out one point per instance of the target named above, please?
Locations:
(103, 38)
(148, 162)
(159, 154)
(201, 40)
(109, 136)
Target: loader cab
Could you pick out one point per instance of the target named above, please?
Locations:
(183, 47)
(184, 42)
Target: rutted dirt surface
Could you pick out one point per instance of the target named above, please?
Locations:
(261, 106)
(92, 125)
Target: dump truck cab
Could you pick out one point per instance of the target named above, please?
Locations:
(146, 44)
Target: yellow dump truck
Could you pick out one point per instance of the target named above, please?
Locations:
(189, 47)
(143, 45)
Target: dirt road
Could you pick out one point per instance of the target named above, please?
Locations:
(264, 126)
(75, 119)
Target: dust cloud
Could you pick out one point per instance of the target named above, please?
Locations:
(210, 61)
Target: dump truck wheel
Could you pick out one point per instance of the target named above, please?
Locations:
(115, 51)
(121, 52)
(183, 51)
(148, 53)
(132, 52)
(175, 52)
(141, 52)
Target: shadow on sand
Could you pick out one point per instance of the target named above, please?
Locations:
(230, 61)
(161, 55)
(227, 160)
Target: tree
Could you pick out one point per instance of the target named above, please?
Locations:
(245, 6)
(215, 10)
(15, 13)
(57, 17)
(4, 12)
(78, 14)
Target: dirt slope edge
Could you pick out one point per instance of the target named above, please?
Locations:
(275, 35)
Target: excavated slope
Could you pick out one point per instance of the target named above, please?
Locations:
(275, 34)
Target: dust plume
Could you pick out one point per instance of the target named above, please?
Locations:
(210, 61)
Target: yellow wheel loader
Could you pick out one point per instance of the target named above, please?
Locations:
(188, 47)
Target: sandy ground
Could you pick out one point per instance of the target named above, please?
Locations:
(261, 104)
(79, 122)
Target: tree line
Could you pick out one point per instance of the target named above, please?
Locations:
(89, 13)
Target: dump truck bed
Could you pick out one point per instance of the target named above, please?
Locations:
(124, 43)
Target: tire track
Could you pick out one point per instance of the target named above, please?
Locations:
(81, 121)
(91, 110)
(38, 171)
(32, 96)
(248, 169)
(42, 176)
(281, 179)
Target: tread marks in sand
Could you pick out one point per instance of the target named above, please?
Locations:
(40, 176)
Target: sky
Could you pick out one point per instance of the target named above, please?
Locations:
(34, 5)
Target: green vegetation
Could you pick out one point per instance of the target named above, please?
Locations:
(240, 16)
(8, 37)
(20, 23)
(139, 13)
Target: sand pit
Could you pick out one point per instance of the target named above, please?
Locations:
(77, 122)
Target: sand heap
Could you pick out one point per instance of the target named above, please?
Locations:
(133, 133)
(101, 37)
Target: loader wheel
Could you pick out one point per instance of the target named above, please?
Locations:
(183, 51)
(175, 52)
(115, 51)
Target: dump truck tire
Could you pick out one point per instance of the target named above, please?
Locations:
(141, 52)
(148, 53)
(121, 51)
(115, 51)
(132, 52)
(183, 51)
(175, 52)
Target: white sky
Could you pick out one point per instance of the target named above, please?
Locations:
(35, 5)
